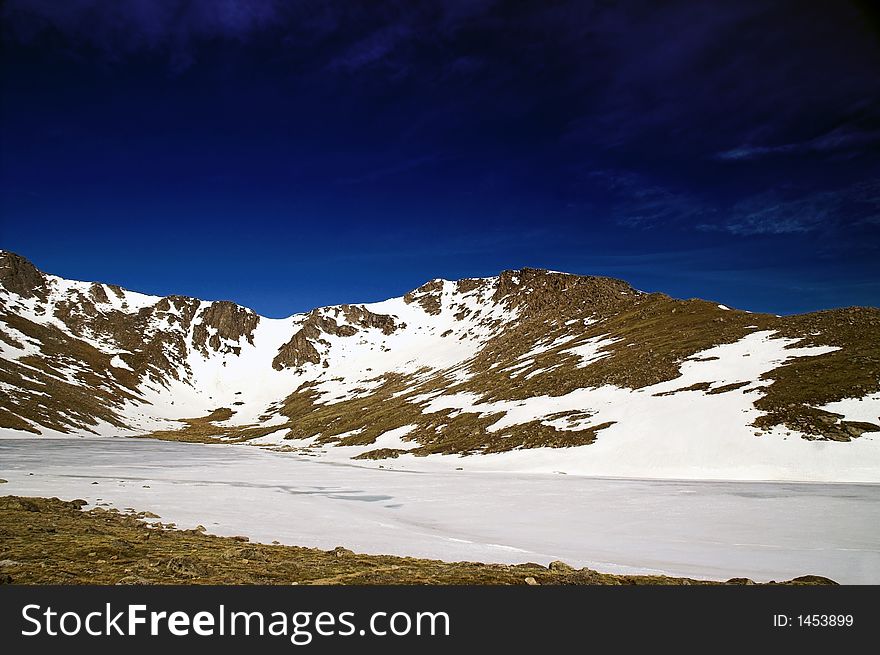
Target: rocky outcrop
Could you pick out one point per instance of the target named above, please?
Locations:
(469, 284)
(301, 349)
(535, 291)
(98, 294)
(224, 321)
(360, 315)
(19, 276)
(428, 296)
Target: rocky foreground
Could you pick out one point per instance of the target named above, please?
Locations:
(51, 541)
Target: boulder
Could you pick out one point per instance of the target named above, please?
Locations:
(560, 567)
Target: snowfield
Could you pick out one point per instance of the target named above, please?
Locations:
(697, 426)
(657, 432)
(701, 529)
(687, 435)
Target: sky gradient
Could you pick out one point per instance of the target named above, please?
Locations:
(287, 155)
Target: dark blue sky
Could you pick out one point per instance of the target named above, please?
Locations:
(293, 154)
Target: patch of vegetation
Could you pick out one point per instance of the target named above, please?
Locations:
(382, 453)
(204, 429)
(805, 383)
(69, 385)
(724, 388)
(698, 386)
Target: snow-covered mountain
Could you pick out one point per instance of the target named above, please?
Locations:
(531, 370)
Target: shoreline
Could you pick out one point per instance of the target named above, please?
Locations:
(434, 465)
(694, 529)
(52, 541)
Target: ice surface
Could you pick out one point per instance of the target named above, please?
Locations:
(704, 529)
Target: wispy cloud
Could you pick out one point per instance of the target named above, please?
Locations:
(839, 139)
(371, 50)
(777, 213)
(638, 202)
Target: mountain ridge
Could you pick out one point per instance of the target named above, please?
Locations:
(528, 360)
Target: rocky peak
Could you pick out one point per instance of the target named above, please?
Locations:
(536, 290)
(468, 284)
(19, 276)
(183, 305)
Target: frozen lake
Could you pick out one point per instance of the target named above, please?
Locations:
(700, 529)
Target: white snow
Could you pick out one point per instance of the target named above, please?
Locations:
(222, 380)
(28, 346)
(118, 362)
(673, 436)
(248, 384)
(361, 359)
(545, 346)
(865, 409)
(591, 350)
(702, 529)
(392, 439)
(688, 434)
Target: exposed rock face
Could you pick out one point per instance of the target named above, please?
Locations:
(224, 321)
(19, 276)
(428, 296)
(359, 315)
(301, 349)
(560, 566)
(469, 284)
(562, 294)
(98, 294)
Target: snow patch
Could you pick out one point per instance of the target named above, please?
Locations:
(118, 362)
(865, 409)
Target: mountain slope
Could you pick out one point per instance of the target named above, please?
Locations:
(531, 369)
